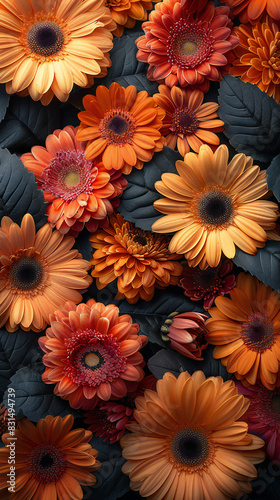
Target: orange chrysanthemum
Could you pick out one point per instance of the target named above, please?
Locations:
(252, 10)
(51, 460)
(92, 353)
(188, 442)
(183, 48)
(47, 46)
(122, 126)
(139, 260)
(38, 273)
(126, 12)
(246, 330)
(213, 206)
(77, 190)
(258, 56)
(188, 123)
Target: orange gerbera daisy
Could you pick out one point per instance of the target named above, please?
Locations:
(38, 273)
(258, 56)
(252, 10)
(183, 48)
(139, 260)
(246, 330)
(51, 460)
(213, 206)
(77, 190)
(187, 120)
(122, 126)
(188, 442)
(92, 353)
(46, 47)
(127, 12)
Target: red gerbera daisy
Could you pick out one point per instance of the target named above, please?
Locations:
(186, 333)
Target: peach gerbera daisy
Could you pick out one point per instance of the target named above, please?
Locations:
(246, 330)
(188, 442)
(127, 12)
(92, 353)
(138, 259)
(51, 460)
(122, 126)
(213, 206)
(77, 190)
(38, 273)
(186, 48)
(46, 47)
(252, 10)
(188, 123)
(258, 56)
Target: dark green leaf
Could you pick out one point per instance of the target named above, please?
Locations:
(4, 101)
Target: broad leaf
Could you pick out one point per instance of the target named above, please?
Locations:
(273, 177)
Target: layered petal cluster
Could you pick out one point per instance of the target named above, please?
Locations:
(78, 191)
(48, 46)
(188, 123)
(185, 46)
(121, 126)
(92, 353)
(126, 12)
(258, 56)
(246, 330)
(188, 442)
(209, 283)
(51, 460)
(186, 332)
(138, 259)
(252, 10)
(38, 273)
(263, 416)
(213, 205)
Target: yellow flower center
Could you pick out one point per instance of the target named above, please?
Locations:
(91, 359)
(72, 179)
(189, 47)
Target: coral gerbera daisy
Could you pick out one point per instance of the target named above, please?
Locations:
(92, 353)
(122, 126)
(186, 332)
(214, 206)
(46, 47)
(138, 259)
(258, 56)
(51, 460)
(77, 190)
(246, 331)
(186, 48)
(126, 12)
(263, 416)
(207, 284)
(188, 442)
(252, 10)
(188, 123)
(38, 273)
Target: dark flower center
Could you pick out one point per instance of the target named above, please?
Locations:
(258, 332)
(215, 208)
(190, 447)
(26, 273)
(184, 121)
(275, 404)
(45, 38)
(206, 280)
(140, 239)
(47, 463)
(117, 126)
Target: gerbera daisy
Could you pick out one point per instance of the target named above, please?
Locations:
(186, 48)
(263, 416)
(127, 12)
(77, 190)
(252, 10)
(122, 126)
(46, 47)
(138, 259)
(92, 353)
(51, 460)
(213, 206)
(207, 284)
(188, 443)
(246, 331)
(258, 56)
(38, 273)
(188, 123)
(186, 331)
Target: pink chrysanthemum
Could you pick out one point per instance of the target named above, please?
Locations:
(186, 333)
(186, 46)
(209, 283)
(263, 415)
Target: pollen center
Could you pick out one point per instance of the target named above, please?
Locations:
(117, 127)
(26, 273)
(189, 47)
(184, 121)
(91, 359)
(215, 208)
(206, 280)
(258, 332)
(47, 463)
(190, 447)
(72, 179)
(45, 38)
